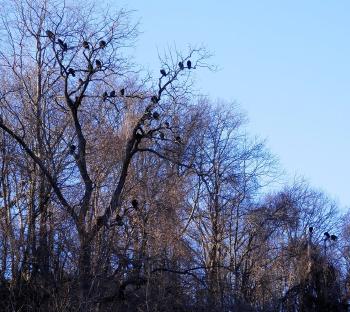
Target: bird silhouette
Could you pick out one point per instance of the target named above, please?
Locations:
(86, 45)
(135, 203)
(163, 72)
(102, 44)
(50, 34)
(72, 149)
(104, 96)
(112, 94)
(181, 65)
(122, 92)
(155, 115)
(178, 139)
(189, 64)
(311, 229)
(98, 63)
(71, 71)
(334, 237)
(154, 99)
(327, 236)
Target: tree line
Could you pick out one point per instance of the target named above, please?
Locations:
(120, 191)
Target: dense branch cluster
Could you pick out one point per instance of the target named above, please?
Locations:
(119, 192)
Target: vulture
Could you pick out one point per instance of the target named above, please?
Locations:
(178, 140)
(135, 203)
(104, 96)
(112, 94)
(327, 236)
(311, 229)
(334, 237)
(163, 72)
(154, 99)
(71, 71)
(50, 34)
(189, 64)
(156, 115)
(161, 135)
(167, 125)
(98, 64)
(122, 92)
(181, 65)
(85, 45)
(72, 148)
(102, 44)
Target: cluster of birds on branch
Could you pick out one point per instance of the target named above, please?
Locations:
(181, 65)
(326, 235)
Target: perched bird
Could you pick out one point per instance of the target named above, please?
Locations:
(181, 65)
(135, 203)
(71, 71)
(167, 125)
(81, 81)
(50, 34)
(122, 92)
(98, 64)
(161, 135)
(155, 115)
(112, 94)
(104, 96)
(86, 45)
(189, 64)
(163, 72)
(60, 42)
(65, 47)
(154, 99)
(334, 237)
(72, 149)
(178, 140)
(311, 229)
(327, 236)
(102, 44)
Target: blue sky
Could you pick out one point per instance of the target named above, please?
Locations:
(286, 63)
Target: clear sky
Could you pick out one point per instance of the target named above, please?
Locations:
(285, 62)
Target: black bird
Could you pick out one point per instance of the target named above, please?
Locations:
(50, 34)
(161, 135)
(81, 81)
(189, 64)
(72, 148)
(135, 203)
(102, 44)
(334, 237)
(98, 64)
(155, 115)
(86, 45)
(327, 236)
(122, 92)
(163, 72)
(181, 65)
(112, 94)
(311, 229)
(178, 140)
(63, 45)
(167, 125)
(104, 96)
(71, 71)
(154, 99)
